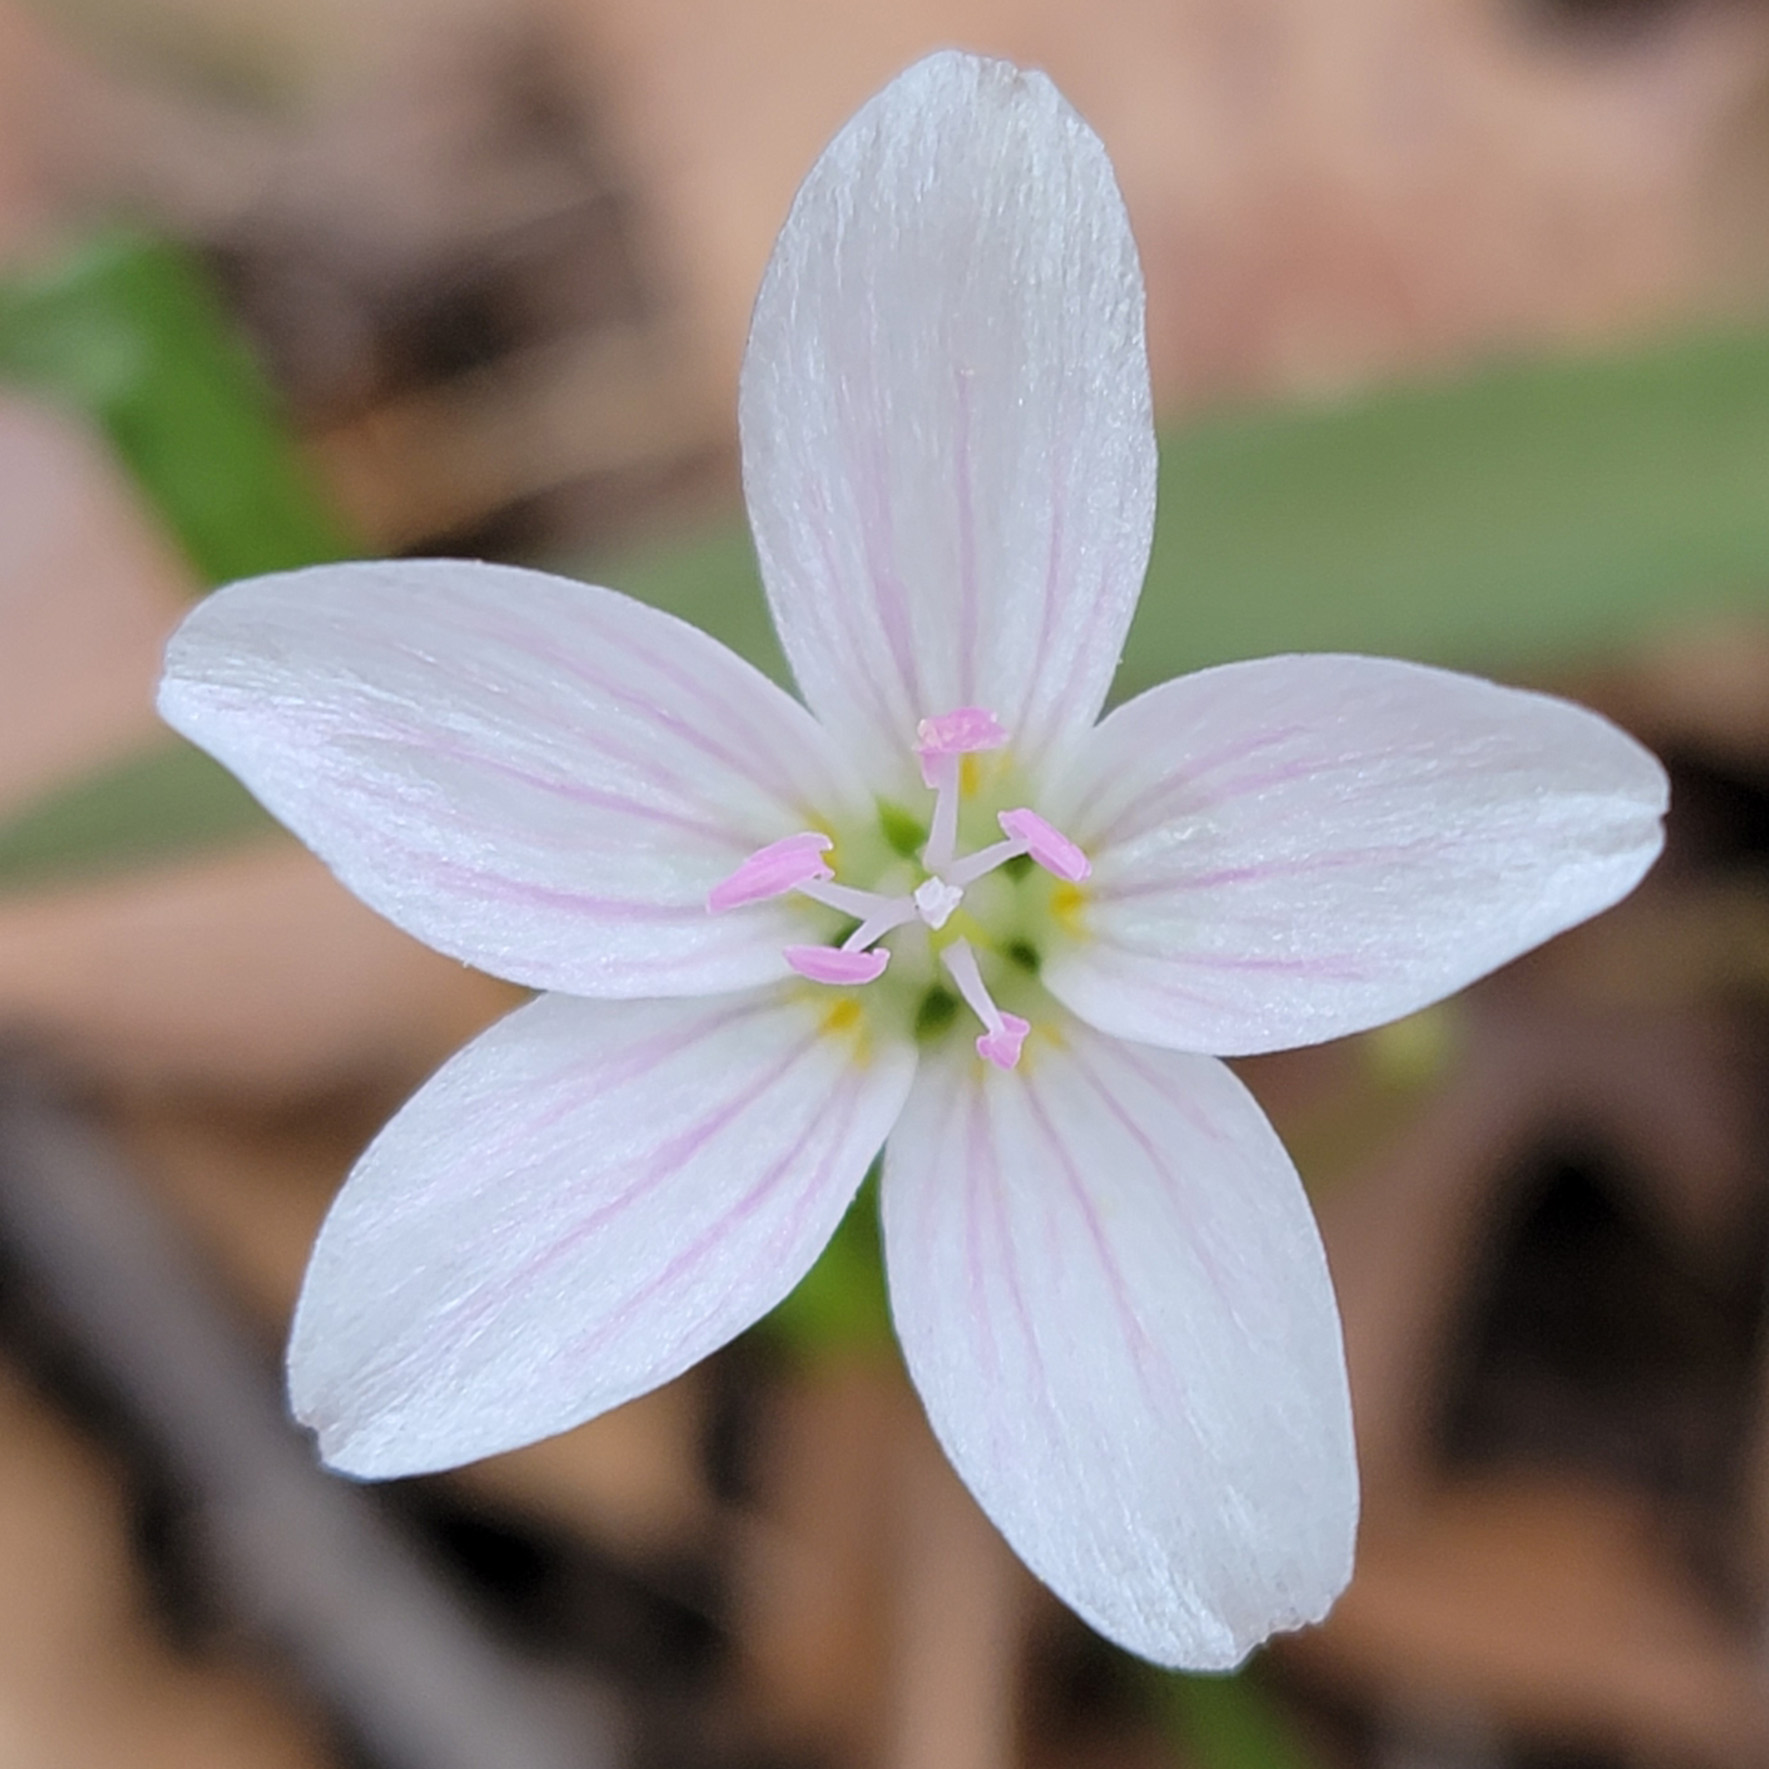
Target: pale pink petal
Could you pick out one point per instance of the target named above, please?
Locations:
(1301, 847)
(947, 446)
(582, 1204)
(543, 778)
(1113, 1300)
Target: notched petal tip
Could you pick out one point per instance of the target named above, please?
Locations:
(376, 1449)
(351, 1454)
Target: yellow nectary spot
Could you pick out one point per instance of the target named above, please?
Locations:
(969, 775)
(842, 1016)
(960, 925)
(1066, 903)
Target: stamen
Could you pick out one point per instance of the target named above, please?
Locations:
(846, 898)
(895, 912)
(941, 773)
(1002, 1046)
(781, 866)
(935, 899)
(1046, 844)
(956, 733)
(835, 964)
(941, 743)
(1027, 833)
(973, 866)
(1003, 1033)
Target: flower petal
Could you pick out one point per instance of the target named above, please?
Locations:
(947, 442)
(1112, 1297)
(582, 1204)
(1297, 848)
(535, 775)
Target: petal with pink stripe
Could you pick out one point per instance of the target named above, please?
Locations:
(1112, 1297)
(586, 1201)
(1301, 847)
(540, 777)
(947, 444)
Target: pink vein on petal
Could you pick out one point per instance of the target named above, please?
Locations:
(1136, 1336)
(986, 1153)
(854, 648)
(754, 743)
(663, 1165)
(1007, 1254)
(632, 701)
(597, 798)
(745, 1206)
(1083, 648)
(1338, 967)
(979, 1156)
(570, 1083)
(1141, 811)
(1127, 1119)
(879, 538)
(741, 761)
(968, 616)
(1308, 865)
(1127, 1053)
(499, 887)
(1048, 614)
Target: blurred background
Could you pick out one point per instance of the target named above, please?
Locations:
(1459, 313)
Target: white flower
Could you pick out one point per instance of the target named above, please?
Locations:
(759, 925)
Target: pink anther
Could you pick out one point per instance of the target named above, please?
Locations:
(1046, 844)
(1003, 1033)
(1001, 1046)
(831, 964)
(772, 871)
(956, 733)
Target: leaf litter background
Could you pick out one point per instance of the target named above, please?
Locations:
(1460, 319)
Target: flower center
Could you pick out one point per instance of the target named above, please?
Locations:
(798, 864)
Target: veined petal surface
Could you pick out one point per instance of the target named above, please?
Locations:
(587, 1200)
(947, 444)
(1113, 1300)
(1297, 848)
(535, 775)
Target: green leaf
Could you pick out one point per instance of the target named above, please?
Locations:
(840, 1306)
(1524, 516)
(711, 580)
(169, 802)
(128, 331)
(1229, 1723)
(1530, 514)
